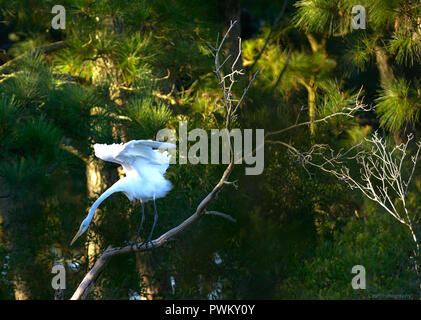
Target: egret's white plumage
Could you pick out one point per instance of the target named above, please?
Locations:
(144, 168)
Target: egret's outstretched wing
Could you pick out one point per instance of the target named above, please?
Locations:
(153, 144)
(141, 156)
(108, 152)
(136, 155)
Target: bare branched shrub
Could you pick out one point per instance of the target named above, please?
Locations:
(381, 174)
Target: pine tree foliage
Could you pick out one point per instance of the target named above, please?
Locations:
(130, 68)
(399, 104)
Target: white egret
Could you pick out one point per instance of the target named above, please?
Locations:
(144, 167)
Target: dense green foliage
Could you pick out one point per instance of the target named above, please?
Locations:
(130, 68)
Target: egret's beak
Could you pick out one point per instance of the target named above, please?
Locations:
(78, 234)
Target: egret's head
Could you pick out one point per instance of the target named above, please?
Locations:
(83, 226)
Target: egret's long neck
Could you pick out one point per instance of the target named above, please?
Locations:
(116, 187)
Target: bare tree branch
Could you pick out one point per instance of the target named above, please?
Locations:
(346, 111)
(74, 151)
(284, 68)
(224, 215)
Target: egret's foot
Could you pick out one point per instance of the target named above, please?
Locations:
(147, 244)
(138, 244)
(134, 243)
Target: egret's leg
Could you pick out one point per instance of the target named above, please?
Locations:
(135, 241)
(154, 221)
(141, 222)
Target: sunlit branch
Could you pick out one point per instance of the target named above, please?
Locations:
(346, 111)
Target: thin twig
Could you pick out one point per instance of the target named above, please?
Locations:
(278, 80)
(224, 215)
(278, 18)
(346, 111)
